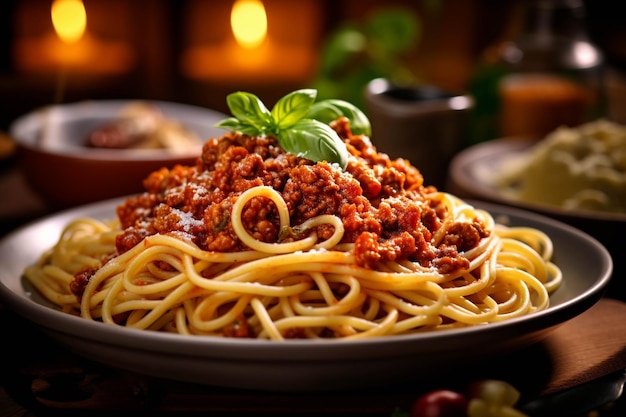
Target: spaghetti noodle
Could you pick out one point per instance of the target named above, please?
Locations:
(286, 268)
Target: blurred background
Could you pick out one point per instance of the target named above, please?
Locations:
(194, 52)
(185, 51)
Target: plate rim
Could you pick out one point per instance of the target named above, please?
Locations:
(295, 351)
(461, 176)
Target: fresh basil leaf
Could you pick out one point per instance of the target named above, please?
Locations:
(329, 110)
(294, 122)
(235, 125)
(293, 107)
(314, 140)
(231, 123)
(250, 110)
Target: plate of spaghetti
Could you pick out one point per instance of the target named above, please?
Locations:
(295, 257)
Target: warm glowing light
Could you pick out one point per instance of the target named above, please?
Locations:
(69, 19)
(249, 22)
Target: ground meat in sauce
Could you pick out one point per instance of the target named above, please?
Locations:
(386, 210)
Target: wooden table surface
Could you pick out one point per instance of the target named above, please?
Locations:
(40, 378)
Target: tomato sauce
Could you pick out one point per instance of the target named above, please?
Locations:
(387, 211)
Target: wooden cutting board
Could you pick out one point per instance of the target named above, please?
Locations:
(39, 375)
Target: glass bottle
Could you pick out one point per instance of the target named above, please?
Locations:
(546, 74)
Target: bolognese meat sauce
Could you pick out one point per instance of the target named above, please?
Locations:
(386, 210)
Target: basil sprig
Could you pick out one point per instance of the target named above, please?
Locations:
(300, 125)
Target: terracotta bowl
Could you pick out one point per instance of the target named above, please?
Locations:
(64, 172)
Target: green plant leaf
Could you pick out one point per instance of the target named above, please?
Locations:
(341, 48)
(232, 123)
(394, 30)
(314, 140)
(292, 107)
(293, 122)
(329, 110)
(250, 110)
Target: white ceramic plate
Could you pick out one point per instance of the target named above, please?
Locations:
(299, 365)
(473, 173)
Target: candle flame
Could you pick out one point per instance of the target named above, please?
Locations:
(248, 21)
(69, 19)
